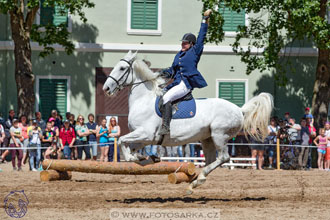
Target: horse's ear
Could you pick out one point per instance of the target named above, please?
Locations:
(134, 55)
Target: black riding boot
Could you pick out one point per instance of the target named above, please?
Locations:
(167, 116)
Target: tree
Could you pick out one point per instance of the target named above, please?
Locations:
(24, 29)
(288, 21)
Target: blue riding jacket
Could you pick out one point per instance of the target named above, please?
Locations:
(184, 66)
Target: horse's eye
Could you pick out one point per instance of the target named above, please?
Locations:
(122, 68)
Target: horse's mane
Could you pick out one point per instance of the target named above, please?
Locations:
(145, 73)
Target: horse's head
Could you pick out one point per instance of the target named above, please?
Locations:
(121, 75)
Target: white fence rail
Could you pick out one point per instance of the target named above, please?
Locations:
(199, 161)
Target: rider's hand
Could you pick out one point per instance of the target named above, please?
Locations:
(166, 73)
(208, 12)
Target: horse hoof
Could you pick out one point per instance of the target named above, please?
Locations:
(200, 181)
(189, 192)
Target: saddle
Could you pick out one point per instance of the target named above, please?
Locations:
(184, 107)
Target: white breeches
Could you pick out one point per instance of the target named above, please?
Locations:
(176, 92)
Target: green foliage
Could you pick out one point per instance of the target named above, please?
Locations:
(48, 34)
(275, 25)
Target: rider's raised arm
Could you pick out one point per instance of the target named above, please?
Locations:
(199, 46)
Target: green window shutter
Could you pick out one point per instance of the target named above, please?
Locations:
(53, 15)
(232, 18)
(144, 14)
(53, 95)
(233, 92)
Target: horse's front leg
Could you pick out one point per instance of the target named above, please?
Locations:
(136, 137)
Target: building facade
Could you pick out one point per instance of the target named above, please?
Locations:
(154, 29)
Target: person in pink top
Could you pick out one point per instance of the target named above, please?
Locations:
(321, 142)
(327, 155)
(24, 127)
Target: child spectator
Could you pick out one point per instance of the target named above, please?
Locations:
(16, 142)
(91, 125)
(307, 113)
(321, 142)
(102, 133)
(272, 139)
(67, 139)
(24, 126)
(114, 132)
(35, 135)
(304, 137)
(81, 138)
(327, 155)
(49, 141)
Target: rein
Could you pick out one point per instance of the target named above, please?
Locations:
(126, 75)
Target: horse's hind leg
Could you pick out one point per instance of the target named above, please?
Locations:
(218, 142)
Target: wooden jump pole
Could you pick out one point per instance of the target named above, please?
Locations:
(278, 154)
(51, 175)
(132, 168)
(115, 159)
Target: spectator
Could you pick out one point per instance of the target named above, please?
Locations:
(16, 142)
(312, 132)
(58, 122)
(114, 132)
(102, 133)
(327, 156)
(151, 150)
(294, 138)
(41, 123)
(24, 126)
(67, 115)
(92, 141)
(304, 137)
(81, 138)
(49, 141)
(286, 117)
(321, 142)
(307, 113)
(8, 125)
(67, 139)
(72, 121)
(2, 134)
(257, 150)
(35, 135)
(272, 139)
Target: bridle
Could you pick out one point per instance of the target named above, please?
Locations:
(125, 76)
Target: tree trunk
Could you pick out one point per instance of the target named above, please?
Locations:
(321, 93)
(23, 66)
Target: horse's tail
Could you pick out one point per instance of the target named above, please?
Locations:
(257, 112)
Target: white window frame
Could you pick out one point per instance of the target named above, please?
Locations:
(245, 81)
(68, 92)
(43, 29)
(144, 31)
(234, 33)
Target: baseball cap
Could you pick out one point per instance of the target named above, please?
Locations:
(309, 116)
(66, 121)
(34, 121)
(287, 113)
(15, 120)
(51, 119)
(307, 109)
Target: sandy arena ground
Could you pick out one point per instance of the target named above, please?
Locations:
(239, 194)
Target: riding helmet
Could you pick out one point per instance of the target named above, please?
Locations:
(189, 37)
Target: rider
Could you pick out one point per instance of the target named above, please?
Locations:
(184, 72)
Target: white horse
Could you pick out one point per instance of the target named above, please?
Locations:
(215, 122)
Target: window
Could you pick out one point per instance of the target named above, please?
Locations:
(52, 93)
(233, 91)
(144, 17)
(232, 18)
(53, 15)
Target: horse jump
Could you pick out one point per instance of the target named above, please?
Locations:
(185, 171)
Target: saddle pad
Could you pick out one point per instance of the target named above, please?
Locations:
(186, 109)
